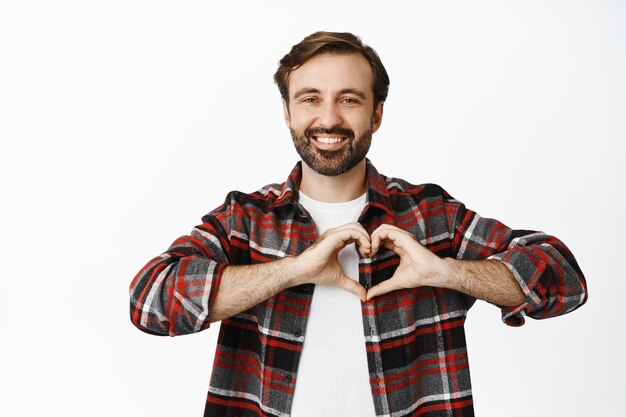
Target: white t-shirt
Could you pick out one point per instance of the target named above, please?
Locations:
(333, 377)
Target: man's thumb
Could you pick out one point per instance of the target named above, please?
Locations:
(354, 287)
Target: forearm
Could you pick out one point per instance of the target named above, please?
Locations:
(544, 267)
(186, 295)
(242, 287)
(486, 279)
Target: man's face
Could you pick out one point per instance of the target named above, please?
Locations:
(331, 112)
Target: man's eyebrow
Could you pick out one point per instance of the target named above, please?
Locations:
(303, 91)
(354, 91)
(308, 90)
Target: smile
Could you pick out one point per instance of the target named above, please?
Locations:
(329, 139)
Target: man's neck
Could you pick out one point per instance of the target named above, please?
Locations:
(338, 189)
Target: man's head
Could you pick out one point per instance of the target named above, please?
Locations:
(333, 90)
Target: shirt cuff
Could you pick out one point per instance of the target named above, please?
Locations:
(514, 316)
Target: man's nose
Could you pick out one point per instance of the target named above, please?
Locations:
(330, 115)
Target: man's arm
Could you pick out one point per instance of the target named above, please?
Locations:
(245, 286)
(171, 294)
(541, 266)
(488, 280)
(191, 285)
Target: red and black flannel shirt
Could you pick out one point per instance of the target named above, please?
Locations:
(414, 338)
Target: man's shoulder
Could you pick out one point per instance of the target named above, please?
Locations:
(400, 188)
(261, 200)
(265, 197)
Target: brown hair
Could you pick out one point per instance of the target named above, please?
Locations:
(324, 42)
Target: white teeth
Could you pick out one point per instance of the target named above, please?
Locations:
(328, 140)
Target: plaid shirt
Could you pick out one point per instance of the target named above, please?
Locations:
(414, 338)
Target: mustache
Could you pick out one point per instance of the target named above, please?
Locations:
(318, 131)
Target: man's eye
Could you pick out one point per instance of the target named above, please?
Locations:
(350, 101)
(309, 100)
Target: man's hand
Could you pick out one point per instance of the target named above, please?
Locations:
(486, 279)
(319, 263)
(418, 265)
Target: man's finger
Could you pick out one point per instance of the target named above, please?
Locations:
(346, 234)
(382, 288)
(342, 238)
(387, 233)
(380, 237)
(392, 238)
(365, 252)
(354, 287)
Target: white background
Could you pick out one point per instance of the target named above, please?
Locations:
(123, 122)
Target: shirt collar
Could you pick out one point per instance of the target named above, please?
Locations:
(377, 192)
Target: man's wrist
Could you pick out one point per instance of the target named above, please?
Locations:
(291, 271)
(446, 273)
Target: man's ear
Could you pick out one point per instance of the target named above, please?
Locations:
(286, 114)
(377, 117)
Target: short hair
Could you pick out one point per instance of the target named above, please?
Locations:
(331, 42)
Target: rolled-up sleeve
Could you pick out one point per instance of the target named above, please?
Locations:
(173, 292)
(544, 267)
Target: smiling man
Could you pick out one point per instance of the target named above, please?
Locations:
(332, 114)
(342, 291)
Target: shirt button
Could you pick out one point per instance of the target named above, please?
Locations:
(312, 241)
(287, 378)
(297, 333)
(306, 287)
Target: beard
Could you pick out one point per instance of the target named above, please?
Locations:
(327, 162)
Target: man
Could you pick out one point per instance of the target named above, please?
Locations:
(342, 291)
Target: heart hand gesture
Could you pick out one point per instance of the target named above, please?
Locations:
(418, 265)
(319, 264)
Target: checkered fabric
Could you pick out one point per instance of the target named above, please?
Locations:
(414, 338)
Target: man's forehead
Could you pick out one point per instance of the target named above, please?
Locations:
(336, 71)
